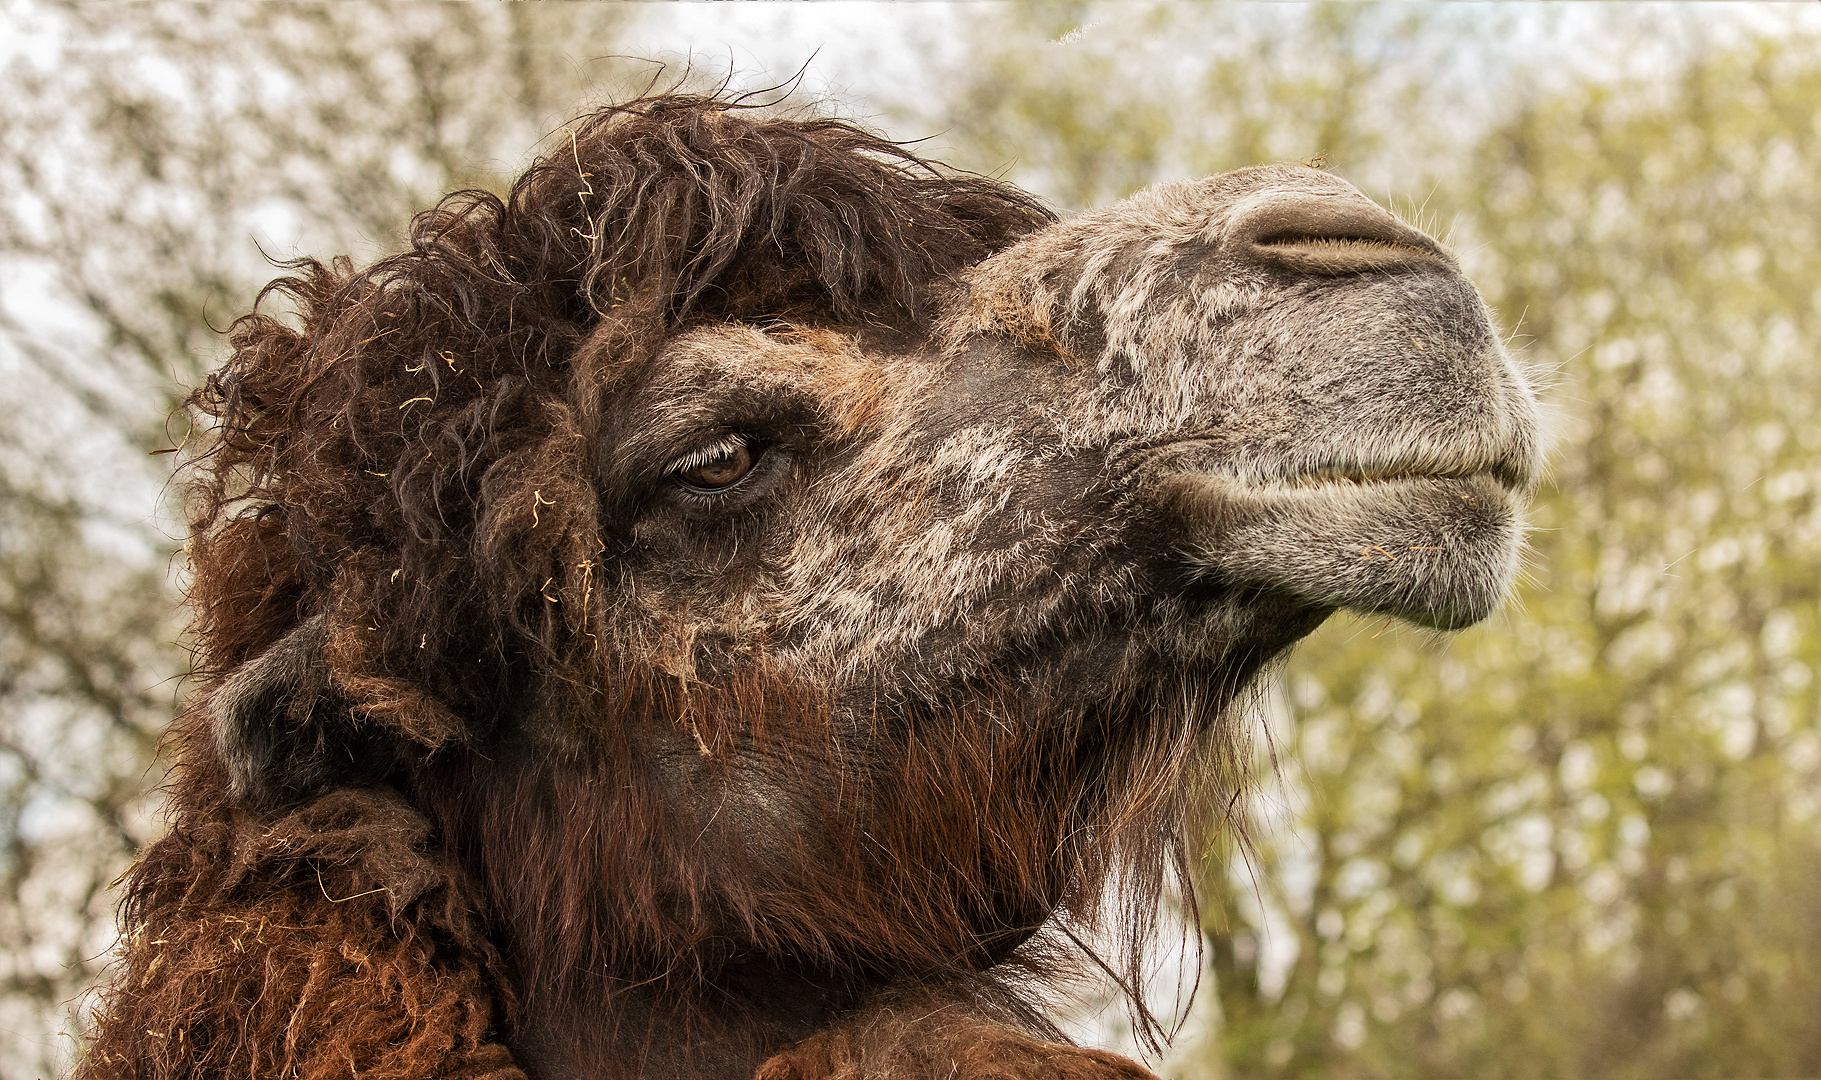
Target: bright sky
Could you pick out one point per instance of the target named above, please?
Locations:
(857, 52)
(868, 51)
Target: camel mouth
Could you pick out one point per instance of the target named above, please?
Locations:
(1363, 477)
(1507, 473)
(1501, 475)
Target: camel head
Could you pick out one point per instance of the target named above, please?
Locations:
(1175, 433)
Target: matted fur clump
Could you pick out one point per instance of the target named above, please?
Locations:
(742, 603)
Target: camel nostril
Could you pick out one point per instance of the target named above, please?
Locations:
(1332, 235)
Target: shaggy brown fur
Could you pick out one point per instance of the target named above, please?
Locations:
(318, 942)
(526, 746)
(340, 936)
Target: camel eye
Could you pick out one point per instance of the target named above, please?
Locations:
(717, 467)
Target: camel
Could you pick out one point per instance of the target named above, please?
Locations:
(745, 602)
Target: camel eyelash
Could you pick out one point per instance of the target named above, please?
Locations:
(731, 444)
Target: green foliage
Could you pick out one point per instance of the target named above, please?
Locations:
(1581, 840)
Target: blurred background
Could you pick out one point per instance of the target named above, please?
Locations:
(1582, 840)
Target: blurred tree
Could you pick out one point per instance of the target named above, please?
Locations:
(1086, 103)
(146, 151)
(1584, 843)
(1581, 840)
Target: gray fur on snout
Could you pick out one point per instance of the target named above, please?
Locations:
(1309, 388)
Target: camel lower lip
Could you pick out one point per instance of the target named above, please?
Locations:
(1437, 549)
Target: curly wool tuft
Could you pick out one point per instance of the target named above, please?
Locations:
(327, 942)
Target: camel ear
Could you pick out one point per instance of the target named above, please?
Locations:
(282, 731)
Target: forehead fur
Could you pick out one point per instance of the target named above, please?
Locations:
(690, 383)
